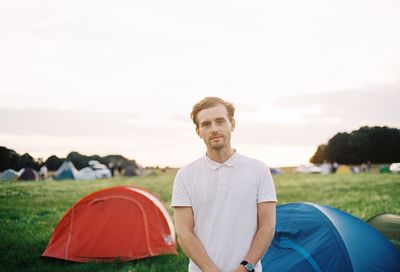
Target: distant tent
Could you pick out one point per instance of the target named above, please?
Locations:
(27, 174)
(129, 171)
(395, 167)
(87, 173)
(308, 168)
(326, 168)
(66, 171)
(388, 224)
(123, 222)
(343, 169)
(311, 237)
(9, 174)
(276, 171)
(384, 169)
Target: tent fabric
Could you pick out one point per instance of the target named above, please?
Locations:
(9, 174)
(87, 173)
(27, 174)
(66, 171)
(343, 169)
(129, 171)
(384, 169)
(395, 167)
(311, 237)
(387, 223)
(124, 223)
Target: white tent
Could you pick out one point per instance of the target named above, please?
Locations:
(9, 174)
(326, 168)
(308, 168)
(395, 167)
(87, 173)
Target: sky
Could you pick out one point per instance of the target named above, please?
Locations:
(121, 77)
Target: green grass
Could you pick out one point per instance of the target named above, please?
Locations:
(29, 212)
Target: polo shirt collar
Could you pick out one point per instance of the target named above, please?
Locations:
(228, 163)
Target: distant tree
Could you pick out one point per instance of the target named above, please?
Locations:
(120, 160)
(319, 155)
(375, 144)
(98, 158)
(8, 159)
(80, 161)
(11, 159)
(53, 163)
(361, 145)
(338, 148)
(384, 144)
(27, 160)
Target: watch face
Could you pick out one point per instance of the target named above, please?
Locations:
(249, 267)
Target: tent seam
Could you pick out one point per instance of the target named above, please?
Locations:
(69, 234)
(145, 221)
(336, 234)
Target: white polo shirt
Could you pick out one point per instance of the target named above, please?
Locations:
(224, 200)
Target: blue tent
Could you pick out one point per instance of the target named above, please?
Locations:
(310, 237)
(66, 171)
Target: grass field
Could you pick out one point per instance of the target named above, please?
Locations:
(29, 211)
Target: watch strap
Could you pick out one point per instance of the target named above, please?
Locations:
(245, 264)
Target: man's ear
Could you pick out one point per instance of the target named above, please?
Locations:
(198, 132)
(233, 124)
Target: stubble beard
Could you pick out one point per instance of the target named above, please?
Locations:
(220, 145)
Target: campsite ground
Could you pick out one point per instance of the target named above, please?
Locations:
(29, 211)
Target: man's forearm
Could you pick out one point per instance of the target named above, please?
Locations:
(266, 215)
(195, 251)
(261, 241)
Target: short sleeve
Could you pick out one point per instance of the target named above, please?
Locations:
(180, 194)
(266, 188)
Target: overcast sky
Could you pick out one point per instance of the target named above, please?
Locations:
(120, 77)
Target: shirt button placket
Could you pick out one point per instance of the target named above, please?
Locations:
(222, 178)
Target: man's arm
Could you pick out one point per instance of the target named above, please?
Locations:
(266, 214)
(192, 247)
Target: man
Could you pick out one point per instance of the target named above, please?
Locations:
(224, 202)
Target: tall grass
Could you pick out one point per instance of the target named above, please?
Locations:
(29, 212)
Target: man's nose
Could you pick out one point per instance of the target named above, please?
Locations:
(213, 126)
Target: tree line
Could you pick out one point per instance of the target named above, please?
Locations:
(375, 144)
(10, 159)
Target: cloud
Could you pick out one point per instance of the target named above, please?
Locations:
(332, 113)
(318, 118)
(376, 104)
(85, 124)
(275, 134)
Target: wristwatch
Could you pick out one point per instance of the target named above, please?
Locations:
(248, 266)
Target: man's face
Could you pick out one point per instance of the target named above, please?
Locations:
(214, 127)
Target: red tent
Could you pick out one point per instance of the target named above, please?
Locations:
(124, 223)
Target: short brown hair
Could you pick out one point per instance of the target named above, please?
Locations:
(209, 102)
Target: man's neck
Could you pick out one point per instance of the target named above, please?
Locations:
(221, 155)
